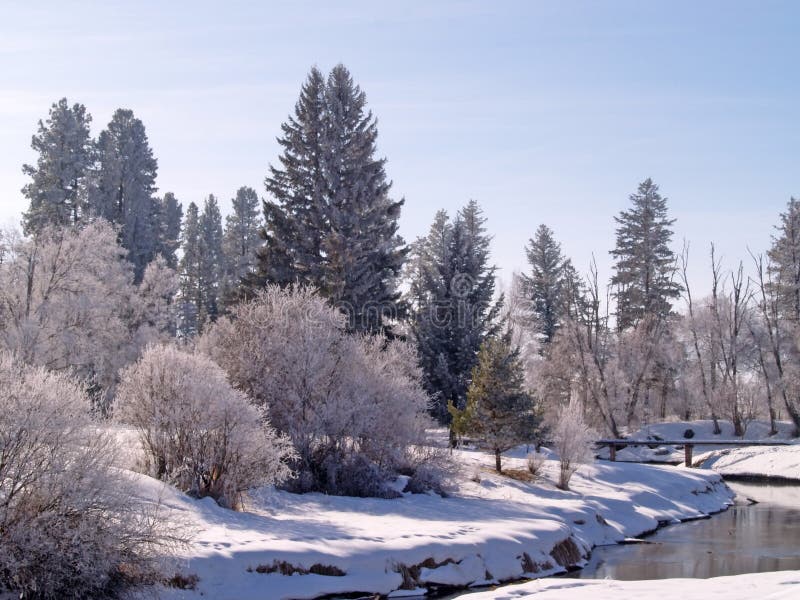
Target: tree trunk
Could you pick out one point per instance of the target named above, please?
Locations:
(497, 462)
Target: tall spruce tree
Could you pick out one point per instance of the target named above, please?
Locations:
(191, 295)
(169, 216)
(211, 261)
(644, 264)
(124, 187)
(58, 188)
(546, 286)
(330, 222)
(241, 239)
(784, 258)
(451, 294)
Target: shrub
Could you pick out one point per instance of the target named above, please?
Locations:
(353, 406)
(197, 431)
(68, 526)
(572, 440)
(535, 461)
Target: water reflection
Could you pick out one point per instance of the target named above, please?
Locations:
(745, 539)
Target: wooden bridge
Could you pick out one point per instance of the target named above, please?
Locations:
(688, 445)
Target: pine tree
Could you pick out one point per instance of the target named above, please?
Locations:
(191, 297)
(784, 258)
(332, 224)
(546, 286)
(293, 218)
(58, 187)
(499, 411)
(452, 288)
(644, 263)
(241, 239)
(170, 214)
(211, 261)
(124, 187)
(363, 254)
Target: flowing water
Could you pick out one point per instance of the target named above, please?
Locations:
(747, 538)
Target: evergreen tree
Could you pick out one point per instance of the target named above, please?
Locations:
(452, 288)
(784, 258)
(191, 297)
(546, 287)
(332, 224)
(499, 411)
(211, 261)
(170, 214)
(241, 239)
(293, 218)
(644, 263)
(124, 187)
(58, 187)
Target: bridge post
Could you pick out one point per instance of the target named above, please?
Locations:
(612, 452)
(687, 451)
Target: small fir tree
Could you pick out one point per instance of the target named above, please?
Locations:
(499, 411)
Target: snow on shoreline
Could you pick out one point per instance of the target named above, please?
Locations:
(492, 530)
(771, 462)
(780, 585)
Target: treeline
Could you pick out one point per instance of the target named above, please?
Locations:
(638, 348)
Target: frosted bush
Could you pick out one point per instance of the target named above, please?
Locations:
(535, 461)
(353, 407)
(572, 440)
(68, 527)
(197, 431)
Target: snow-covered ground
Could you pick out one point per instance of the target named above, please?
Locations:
(781, 585)
(495, 528)
(776, 462)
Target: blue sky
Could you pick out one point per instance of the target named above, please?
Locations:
(544, 112)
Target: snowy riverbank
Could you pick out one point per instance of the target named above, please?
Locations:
(491, 530)
(781, 585)
(771, 462)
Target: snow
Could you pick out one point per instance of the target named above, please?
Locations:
(487, 531)
(781, 462)
(780, 585)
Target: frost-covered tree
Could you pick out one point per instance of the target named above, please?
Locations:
(499, 412)
(124, 186)
(784, 256)
(211, 261)
(197, 432)
(644, 264)
(169, 214)
(546, 283)
(241, 239)
(353, 406)
(331, 223)
(191, 298)
(57, 192)
(453, 308)
(69, 526)
(572, 440)
(68, 303)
